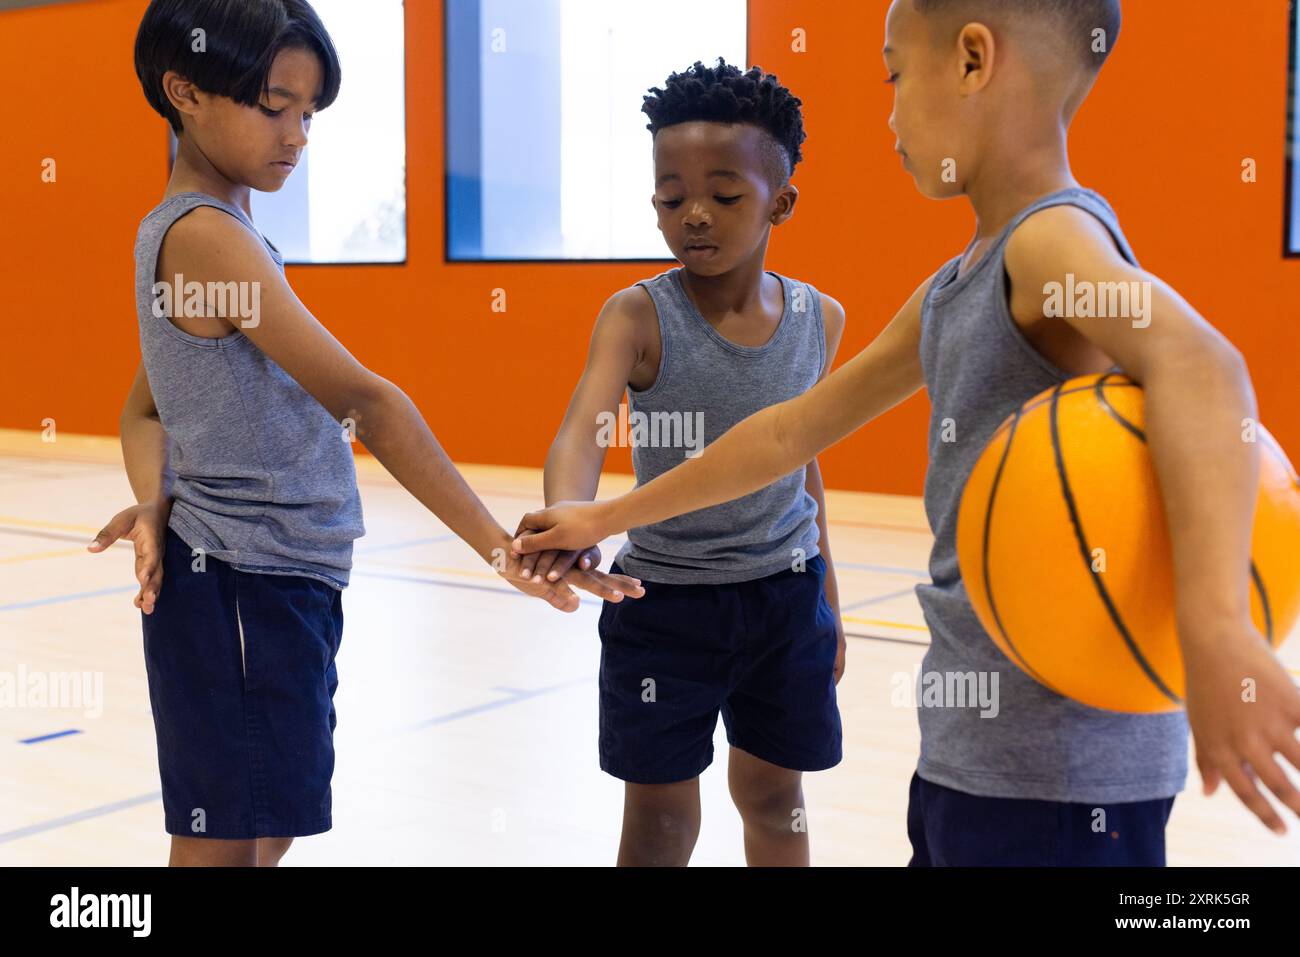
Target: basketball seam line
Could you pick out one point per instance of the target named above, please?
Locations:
(1100, 389)
(1030, 406)
(988, 584)
(1086, 554)
(1255, 576)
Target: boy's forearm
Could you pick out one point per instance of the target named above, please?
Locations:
(1209, 480)
(144, 452)
(572, 472)
(750, 456)
(393, 430)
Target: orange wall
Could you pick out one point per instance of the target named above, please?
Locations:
(1191, 91)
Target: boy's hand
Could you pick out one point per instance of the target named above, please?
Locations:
(556, 594)
(565, 525)
(551, 565)
(604, 585)
(1243, 709)
(146, 526)
(559, 594)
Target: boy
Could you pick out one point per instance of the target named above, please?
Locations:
(243, 551)
(985, 93)
(740, 612)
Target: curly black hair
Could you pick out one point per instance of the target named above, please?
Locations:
(722, 94)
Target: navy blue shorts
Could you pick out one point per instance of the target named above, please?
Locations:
(953, 829)
(762, 652)
(241, 684)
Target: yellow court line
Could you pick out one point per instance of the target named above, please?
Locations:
(32, 523)
(36, 556)
(887, 624)
(438, 569)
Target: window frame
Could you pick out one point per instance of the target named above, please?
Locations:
(446, 174)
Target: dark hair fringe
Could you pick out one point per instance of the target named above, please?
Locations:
(241, 41)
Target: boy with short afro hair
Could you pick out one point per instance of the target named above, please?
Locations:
(740, 614)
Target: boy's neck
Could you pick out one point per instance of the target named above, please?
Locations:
(194, 173)
(1014, 176)
(739, 290)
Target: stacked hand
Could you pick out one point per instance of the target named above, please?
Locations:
(565, 525)
(550, 575)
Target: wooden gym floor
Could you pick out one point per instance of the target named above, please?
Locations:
(466, 711)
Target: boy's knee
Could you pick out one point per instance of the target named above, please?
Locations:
(774, 806)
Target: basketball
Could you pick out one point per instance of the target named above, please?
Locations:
(1066, 556)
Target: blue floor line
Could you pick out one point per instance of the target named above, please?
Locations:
(74, 596)
(49, 737)
(513, 696)
(43, 826)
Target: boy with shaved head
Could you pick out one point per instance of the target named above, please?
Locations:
(985, 94)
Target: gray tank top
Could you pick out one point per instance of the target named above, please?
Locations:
(979, 369)
(707, 384)
(262, 476)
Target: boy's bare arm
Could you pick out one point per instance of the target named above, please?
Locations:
(759, 450)
(576, 457)
(144, 441)
(1198, 397)
(211, 246)
(144, 452)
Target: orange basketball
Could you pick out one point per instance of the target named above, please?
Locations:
(1065, 552)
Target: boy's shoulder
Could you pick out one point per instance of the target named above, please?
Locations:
(832, 311)
(632, 304)
(204, 233)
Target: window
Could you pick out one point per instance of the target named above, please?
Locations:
(346, 201)
(547, 152)
(1292, 242)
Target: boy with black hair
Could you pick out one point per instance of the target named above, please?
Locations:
(740, 613)
(985, 94)
(235, 448)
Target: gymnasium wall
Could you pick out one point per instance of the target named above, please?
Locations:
(1195, 87)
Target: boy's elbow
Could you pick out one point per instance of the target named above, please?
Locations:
(1225, 359)
(1205, 354)
(361, 406)
(131, 414)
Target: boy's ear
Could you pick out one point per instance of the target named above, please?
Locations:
(783, 204)
(180, 92)
(976, 52)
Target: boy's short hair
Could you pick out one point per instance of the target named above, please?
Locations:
(723, 94)
(233, 53)
(1077, 21)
